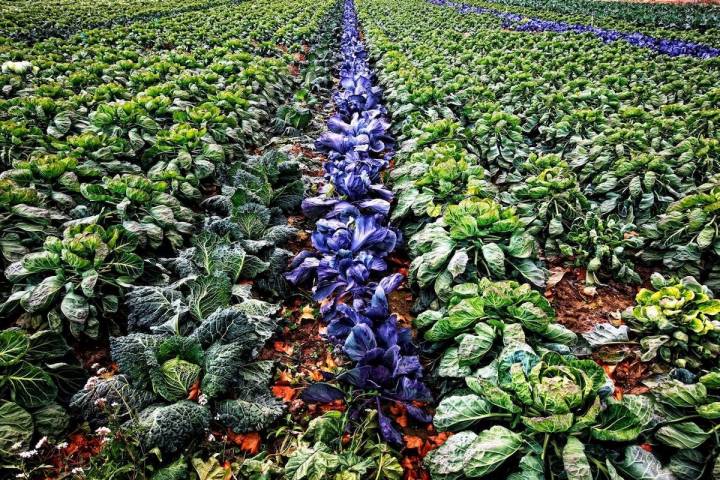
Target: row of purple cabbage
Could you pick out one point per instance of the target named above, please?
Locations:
(522, 23)
(352, 241)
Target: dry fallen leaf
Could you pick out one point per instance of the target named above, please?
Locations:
(411, 441)
(284, 392)
(556, 275)
(284, 378)
(307, 313)
(283, 347)
(248, 442)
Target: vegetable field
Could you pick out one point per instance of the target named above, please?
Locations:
(359, 239)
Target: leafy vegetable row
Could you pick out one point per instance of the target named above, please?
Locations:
(31, 21)
(638, 21)
(664, 15)
(672, 47)
(352, 242)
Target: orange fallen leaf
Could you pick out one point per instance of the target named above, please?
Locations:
(248, 442)
(329, 361)
(283, 347)
(440, 438)
(316, 375)
(411, 441)
(283, 392)
(284, 378)
(397, 409)
(337, 405)
(194, 391)
(402, 420)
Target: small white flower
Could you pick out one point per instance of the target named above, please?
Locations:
(28, 454)
(103, 431)
(202, 399)
(211, 438)
(100, 371)
(40, 443)
(91, 383)
(61, 445)
(100, 402)
(77, 470)
(95, 366)
(114, 404)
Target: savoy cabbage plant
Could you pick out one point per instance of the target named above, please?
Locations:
(172, 387)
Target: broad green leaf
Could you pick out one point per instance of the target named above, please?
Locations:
(490, 450)
(43, 294)
(75, 308)
(473, 348)
(207, 294)
(688, 464)
(576, 463)
(531, 468)
(530, 271)
(549, 424)
(47, 344)
(16, 426)
(311, 463)
(450, 365)
(458, 263)
(492, 393)
(458, 412)
(640, 464)
(466, 313)
(14, 344)
(30, 386)
(521, 246)
(684, 435)
(623, 421)
(449, 458)
(495, 259)
(680, 394)
(51, 420)
(41, 261)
